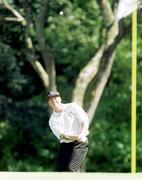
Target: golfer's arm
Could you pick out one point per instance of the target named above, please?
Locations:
(84, 127)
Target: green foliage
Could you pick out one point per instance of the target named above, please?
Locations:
(13, 81)
(73, 31)
(111, 137)
(25, 137)
(10, 76)
(110, 144)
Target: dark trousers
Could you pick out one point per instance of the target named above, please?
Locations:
(71, 156)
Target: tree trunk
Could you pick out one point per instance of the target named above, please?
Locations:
(97, 93)
(44, 48)
(93, 68)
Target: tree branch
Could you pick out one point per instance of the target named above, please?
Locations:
(106, 11)
(87, 74)
(20, 18)
(97, 92)
(35, 63)
(45, 49)
(104, 71)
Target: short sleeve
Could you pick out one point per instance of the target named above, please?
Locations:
(80, 113)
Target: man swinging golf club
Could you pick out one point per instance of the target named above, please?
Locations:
(69, 123)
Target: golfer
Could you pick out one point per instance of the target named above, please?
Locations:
(69, 123)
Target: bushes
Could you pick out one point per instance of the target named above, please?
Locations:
(27, 142)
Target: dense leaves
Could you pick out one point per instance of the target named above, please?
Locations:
(73, 32)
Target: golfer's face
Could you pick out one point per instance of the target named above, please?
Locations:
(55, 102)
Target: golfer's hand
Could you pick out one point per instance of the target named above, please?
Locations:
(62, 136)
(69, 137)
(81, 138)
(74, 137)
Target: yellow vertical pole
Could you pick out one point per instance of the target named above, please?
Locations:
(134, 89)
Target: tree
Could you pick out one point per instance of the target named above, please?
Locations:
(70, 45)
(98, 67)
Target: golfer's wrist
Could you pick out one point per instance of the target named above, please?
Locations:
(82, 137)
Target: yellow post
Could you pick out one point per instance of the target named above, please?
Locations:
(134, 89)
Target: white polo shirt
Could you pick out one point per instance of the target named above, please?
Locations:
(68, 121)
